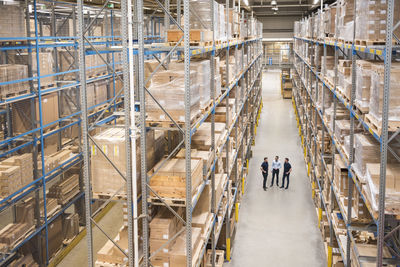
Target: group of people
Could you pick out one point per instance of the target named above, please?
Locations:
(276, 166)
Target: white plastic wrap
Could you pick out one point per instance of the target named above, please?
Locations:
(168, 88)
(377, 84)
(366, 151)
(363, 83)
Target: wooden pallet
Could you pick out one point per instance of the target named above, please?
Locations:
(361, 110)
(6, 96)
(173, 202)
(102, 195)
(169, 124)
(377, 127)
(371, 42)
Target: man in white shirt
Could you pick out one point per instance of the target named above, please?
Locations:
(276, 165)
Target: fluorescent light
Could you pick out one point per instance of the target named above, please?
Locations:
(316, 2)
(273, 3)
(246, 2)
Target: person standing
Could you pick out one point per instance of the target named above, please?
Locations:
(264, 171)
(276, 165)
(287, 169)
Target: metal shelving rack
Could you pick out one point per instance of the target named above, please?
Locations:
(250, 76)
(386, 225)
(131, 44)
(50, 13)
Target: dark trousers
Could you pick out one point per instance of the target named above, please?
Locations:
(275, 172)
(283, 180)
(265, 175)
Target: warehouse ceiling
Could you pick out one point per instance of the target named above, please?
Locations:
(263, 8)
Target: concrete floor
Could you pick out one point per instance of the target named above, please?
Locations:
(277, 227)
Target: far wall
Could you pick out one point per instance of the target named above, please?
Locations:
(278, 26)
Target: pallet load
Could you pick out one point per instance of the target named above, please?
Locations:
(163, 227)
(106, 181)
(168, 88)
(15, 173)
(329, 22)
(13, 72)
(110, 255)
(65, 190)
(21, 113)
(46, 65)
(374, 118)
(345, 21)
(363, 85)
(12, 21)
(371, 22)
(169, 182)
(178, 255)
(344, 78)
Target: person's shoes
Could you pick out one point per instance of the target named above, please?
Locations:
(286, 187)
(281, 187)
(271, 185)
(265, 189)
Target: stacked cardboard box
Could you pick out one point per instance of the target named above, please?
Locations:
(377, 92)
(170, 180)
(363, 85)
(329, 21)
(345, 20)
(21, 113)
(13, 72)
(163, 227)
(65, 190)
(344, 77)
(46, 65)
(12, 21)
(371, 20)
(168, 88)
(105, 179)
(15, 172)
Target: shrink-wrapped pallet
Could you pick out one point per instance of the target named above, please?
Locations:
(377, 92)
(203, 72)
(392, 196)
(363, 84)
(13, 72)
(105, 179)
(168, 88)
(366, 151)
(329, 21)
(371, 21)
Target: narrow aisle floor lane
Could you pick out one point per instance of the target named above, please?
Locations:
(277, 227)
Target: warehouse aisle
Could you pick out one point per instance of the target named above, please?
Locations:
(277, 227)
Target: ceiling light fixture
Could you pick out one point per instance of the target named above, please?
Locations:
(246, 2)
(273, 3)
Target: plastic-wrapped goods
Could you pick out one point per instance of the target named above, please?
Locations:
(366, 151)
(371, 20)
(376, 99)
(243, 29)
(202, 69)
(259, 30)
(318, 25)
(13, 72)
(328, 96)
(222, 22)
(328, 62)
(168, 88)
(203, 16)
(329, 21)
(105, 179)
(12, 21)
(363, 84)
(342, 129)
(345, 15)
(392, 196)
(46, 64)
(296, 29)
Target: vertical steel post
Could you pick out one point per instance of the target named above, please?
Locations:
(85, 138)
(186, 41)
(351, 155)
(384, 135)
(228, 213)
(130, 144)
(143, 163)
(213, 148)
